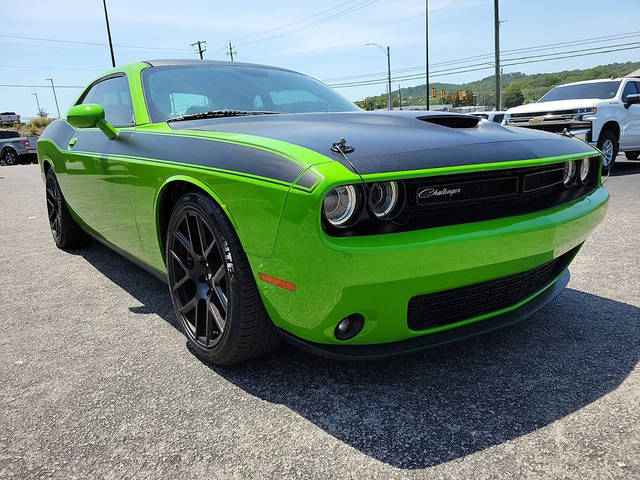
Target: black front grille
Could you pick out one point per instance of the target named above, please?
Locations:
(443, 200)
(450, 306)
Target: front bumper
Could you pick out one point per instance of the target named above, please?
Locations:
(382, 350)
(377, 275)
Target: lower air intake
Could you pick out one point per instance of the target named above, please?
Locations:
(450, 306)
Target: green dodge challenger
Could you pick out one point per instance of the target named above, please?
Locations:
(274, 208)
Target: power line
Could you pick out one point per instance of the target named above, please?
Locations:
(505, 54)
(100, 44)
(465, 69)
(315, 23)
(231, 52)
(332, 9)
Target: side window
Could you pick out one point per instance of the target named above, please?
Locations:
(630, 88)
(498, 118)
(113, 95)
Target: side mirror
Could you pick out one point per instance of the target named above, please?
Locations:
(91, 115)
(632, 98)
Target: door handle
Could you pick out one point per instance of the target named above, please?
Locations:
(72, 142)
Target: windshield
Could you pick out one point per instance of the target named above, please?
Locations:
(186, 90)
(584, 90)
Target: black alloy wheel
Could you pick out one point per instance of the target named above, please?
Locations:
(64, 229)
(198, 278)
(10, 157)
(212, 286)
(632, 155)
(54, 207)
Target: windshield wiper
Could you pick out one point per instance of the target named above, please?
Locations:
(220, 113)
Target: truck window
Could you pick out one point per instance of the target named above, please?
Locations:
(600, 90)
(629, 89)
(9, 134)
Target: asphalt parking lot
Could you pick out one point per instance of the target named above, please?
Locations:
(96, 382)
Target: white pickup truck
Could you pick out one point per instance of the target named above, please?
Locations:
(605, 113)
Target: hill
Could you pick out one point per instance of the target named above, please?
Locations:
(482, 92)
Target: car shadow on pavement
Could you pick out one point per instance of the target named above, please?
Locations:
(424, 409)
(622, 168)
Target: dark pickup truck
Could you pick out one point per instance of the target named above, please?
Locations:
(15, 149)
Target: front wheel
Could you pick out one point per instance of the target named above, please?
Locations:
(608, 145)
(212, 286)
(632, 155)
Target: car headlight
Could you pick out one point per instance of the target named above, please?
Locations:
(383, 198)
(569, 172)
(582, 111)
(339, 206)
(585, 166)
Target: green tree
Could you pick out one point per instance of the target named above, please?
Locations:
(512, 96)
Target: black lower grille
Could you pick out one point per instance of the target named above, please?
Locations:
(450, 306)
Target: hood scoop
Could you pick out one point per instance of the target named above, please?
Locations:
(452, 121)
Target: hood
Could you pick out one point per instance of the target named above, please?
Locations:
(398, 141)
(555, 106)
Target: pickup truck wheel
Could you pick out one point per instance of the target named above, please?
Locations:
(66, 232)
(10, 157)
(212, 287)
(632, 155)
(608, 145)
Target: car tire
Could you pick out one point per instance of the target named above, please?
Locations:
(608, 145)
(9, 157)
(632, 155)
(212, 287)
(64, 229)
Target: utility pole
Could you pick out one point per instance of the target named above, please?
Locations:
(231, 51)
(55, 97)
(388, 53)
(202, 47)
(389, 101)
(496, 18)
(400, 96)
(106, 18)
(37, 102)
(426, 46)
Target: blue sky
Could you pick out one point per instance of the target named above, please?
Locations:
(165, 28)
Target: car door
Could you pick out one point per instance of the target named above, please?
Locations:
(96, 179)
(630, 137)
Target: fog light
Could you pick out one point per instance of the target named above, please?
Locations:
(349, 327)
(343, 326)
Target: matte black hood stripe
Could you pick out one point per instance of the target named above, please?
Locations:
(180, 149)
(397, 141)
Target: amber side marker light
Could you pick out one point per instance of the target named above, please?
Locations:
(278, 282)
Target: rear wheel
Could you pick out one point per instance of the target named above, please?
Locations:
(212, 286)
(66, 232)
(10, 157)
(608, 145)
(632, 155)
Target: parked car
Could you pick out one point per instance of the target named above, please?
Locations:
(493, 116)
(605, 113)
(15, 149)
(9, 118)
(274, 208)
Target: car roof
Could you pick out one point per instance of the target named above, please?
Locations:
(179, 62)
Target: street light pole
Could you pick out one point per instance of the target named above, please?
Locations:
(387, 52)
(106, 18)
(426, 45)
(37, 102)
(55, 97)
(496, 34)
